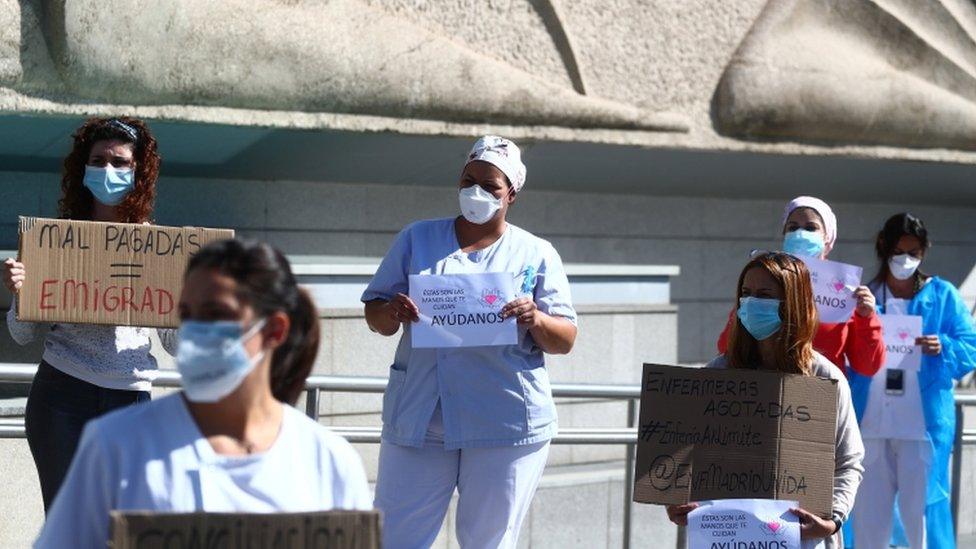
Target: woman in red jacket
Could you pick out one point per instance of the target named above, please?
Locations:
(810, 229)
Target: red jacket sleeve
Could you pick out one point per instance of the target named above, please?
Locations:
(865, 349)
(723, 338)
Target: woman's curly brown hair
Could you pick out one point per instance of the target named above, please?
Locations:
(77, 202)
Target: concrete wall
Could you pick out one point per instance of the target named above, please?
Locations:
(708, 237)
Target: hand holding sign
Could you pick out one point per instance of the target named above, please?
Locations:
(403, 309)
(865, 301)
(14, 275)
(678, 514)
(812, 526)
(524, 309)
(931, 345)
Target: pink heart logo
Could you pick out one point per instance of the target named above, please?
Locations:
(903, 334)
(773, 526)
(838, 286)
(491, 298)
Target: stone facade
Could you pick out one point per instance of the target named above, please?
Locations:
(625, 71)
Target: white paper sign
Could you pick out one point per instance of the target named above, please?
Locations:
(744, 524)
(900, 332)
(462, 310)
(895, 399)
(833, 288)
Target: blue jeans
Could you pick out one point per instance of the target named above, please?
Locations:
(58, 407)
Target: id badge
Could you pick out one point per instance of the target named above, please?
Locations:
(895, 382)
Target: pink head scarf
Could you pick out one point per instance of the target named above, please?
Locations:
(821, 207)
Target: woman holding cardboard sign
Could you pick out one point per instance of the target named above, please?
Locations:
(907, 415)
(774, 327)
(475, 418)
(87, 370)
(810, 230)
(231, 441)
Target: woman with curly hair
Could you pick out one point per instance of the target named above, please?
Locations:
(87, 370)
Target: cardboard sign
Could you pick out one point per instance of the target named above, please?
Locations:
(744, 523)
(319, 530)
(120, 274)
(833, 288)
(462, 310)
(708, 433)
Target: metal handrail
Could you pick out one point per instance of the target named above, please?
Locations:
(371, 435)
(24, 373)
(314, 386)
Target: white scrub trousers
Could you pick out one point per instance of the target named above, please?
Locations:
(495, 488)
(892, 468)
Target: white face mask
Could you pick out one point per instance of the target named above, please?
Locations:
(903, 266)
(478, 205)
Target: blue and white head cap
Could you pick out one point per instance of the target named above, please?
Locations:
(503, 154)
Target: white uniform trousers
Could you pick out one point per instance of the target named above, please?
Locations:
(892, 468)
(495, 487)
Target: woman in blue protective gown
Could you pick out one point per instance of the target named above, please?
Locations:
(948, 346)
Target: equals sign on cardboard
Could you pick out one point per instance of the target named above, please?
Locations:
(129, 270)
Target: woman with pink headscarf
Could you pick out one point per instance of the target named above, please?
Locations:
(810, 230)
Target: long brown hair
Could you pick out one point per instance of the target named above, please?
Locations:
(794, 340)
(77, 202)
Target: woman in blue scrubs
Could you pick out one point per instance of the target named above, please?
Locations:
(475, 419)
(897, 458)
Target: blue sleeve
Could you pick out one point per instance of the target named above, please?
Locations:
(552, 287)
(391, 277)
(79, 516)
(957, 335)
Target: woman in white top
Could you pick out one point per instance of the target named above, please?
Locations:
(88, 370)
(775, 323)
(231, 441)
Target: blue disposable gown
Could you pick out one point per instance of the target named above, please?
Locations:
(944, 313)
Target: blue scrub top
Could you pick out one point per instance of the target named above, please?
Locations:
(490, 396)
(944, 314)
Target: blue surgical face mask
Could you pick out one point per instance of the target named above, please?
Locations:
(110, 185)
(759, 316)
(211, 358)
(803, 243)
